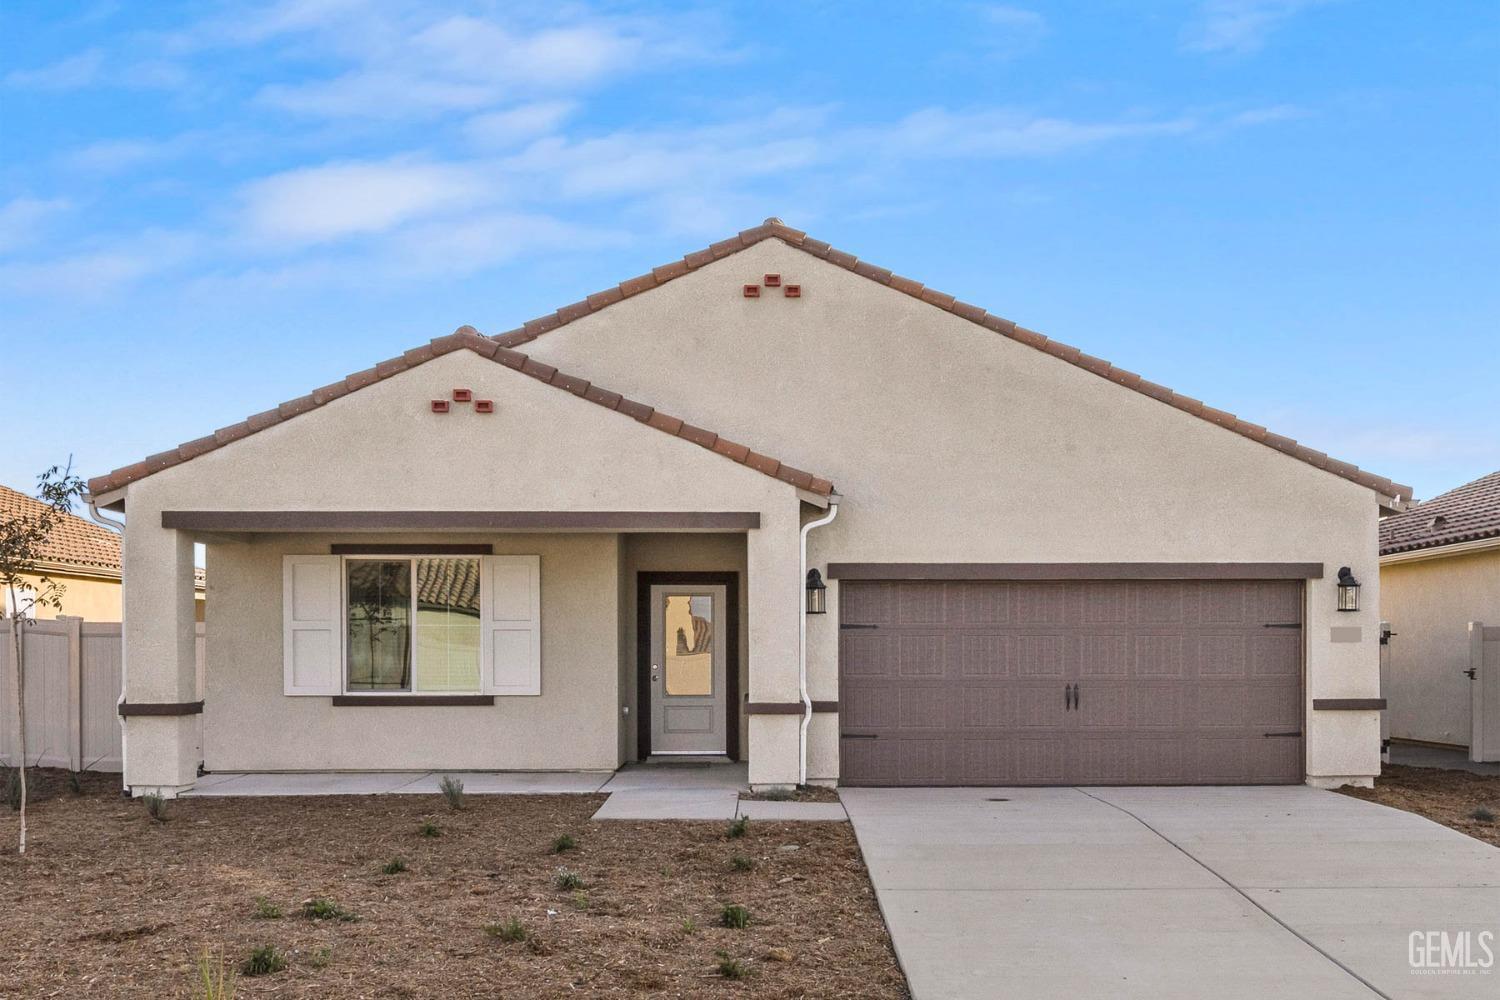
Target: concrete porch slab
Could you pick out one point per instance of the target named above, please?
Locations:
(511, 782)
(395, 783)
(707, 803)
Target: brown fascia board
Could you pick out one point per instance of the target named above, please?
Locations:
(467, 338)
(795, 238)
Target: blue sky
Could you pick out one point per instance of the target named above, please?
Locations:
(1287, 208)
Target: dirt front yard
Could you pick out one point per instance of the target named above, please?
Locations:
(416, 900)
(1453, 798)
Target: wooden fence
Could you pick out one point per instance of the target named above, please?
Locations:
(72, 690)
(1484, 691)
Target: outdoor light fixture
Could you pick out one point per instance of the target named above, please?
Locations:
(1348, 590)
(817, 593)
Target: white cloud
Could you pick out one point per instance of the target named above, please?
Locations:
(66, 74)
(21, 219)
(336, 200)
(1010, 31)
(1239, 25)
(111, 155)
(97, 272)
(498, 128)
(938, 132)
(1268, 116)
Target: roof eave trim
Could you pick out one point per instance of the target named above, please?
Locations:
(1441, 551)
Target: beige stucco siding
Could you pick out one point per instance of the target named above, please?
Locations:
(1429, 604)
(250, 726)
(382, 449)
(952, 443)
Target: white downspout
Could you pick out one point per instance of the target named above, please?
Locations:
(807, 707)
(118, 527)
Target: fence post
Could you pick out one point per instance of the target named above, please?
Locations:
(75, 690)
(1476, 691)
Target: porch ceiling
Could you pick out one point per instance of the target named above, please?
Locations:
(240, 521)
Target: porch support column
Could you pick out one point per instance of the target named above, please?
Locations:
(160, 665)
(775, 600)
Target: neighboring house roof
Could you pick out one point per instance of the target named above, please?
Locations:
(75, 545)
(467, 338)
(776, 229)
(1469, 513)
(770, 229)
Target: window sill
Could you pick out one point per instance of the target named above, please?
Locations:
(410, 700)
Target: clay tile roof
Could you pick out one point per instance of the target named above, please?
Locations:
(75, 543)
(467, 338)
(1469, 513)
(776, 229)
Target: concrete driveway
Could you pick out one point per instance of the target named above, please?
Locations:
(1171, 892)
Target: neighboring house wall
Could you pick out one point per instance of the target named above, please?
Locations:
(1429, 604)
(954, 444)
(381, 449)
(89, 598)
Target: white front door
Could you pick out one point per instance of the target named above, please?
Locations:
(688, 672)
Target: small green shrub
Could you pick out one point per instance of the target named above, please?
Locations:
(264, 961)
(215, 980)
(741, 863)
(325, 909)
(429, 829)
(580, 900)
(453, 791)
(74, 783)
(318, 959)
(266, 910)
(564, 843)
(739, 827)
(156, 807)
(1483, 814)
(395, 866)
(730, 968)
(510, 930)
(689, 925)
(736, 916)
(568, 880)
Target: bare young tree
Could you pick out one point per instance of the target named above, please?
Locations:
(23, 540)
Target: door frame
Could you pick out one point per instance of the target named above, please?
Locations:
(730, 581)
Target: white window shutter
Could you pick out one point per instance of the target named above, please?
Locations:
(511, 641)
(311, 625)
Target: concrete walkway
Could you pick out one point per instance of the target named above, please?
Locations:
(656, 791)
(262, 783)
(1169, 892)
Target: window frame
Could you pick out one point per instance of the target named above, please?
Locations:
(411, 560)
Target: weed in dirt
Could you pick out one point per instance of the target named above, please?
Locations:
(736, 916)
(563, 843)
(215, 981)
(325, 909)
(1483, 814)
(739, 827)
(730, 967)
(779, 955)
(318, 959)
(689, 925)
(568, 880)
(741, 863)
(453, 791)
(74, 784)
(780, 793)
(264, 961)
(395, 866)
(266, 910)
(156, 807)
(13, 788)
(509, 930)
(429, 829)
(580, 900)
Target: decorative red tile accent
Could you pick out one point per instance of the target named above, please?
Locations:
(439, 406)
(484, 406)
(462, 395)
(752, 291)
(773, 281)
(792, 291)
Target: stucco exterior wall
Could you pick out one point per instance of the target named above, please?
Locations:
(1429, 604)
(953, 444)
(250, 726)
(89, 598)
(382, 449)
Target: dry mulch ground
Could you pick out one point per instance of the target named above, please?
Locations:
(1446, 797)
(803, 793)
(107, 902)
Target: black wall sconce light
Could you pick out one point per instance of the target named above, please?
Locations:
(1348, 590)
(817, 593)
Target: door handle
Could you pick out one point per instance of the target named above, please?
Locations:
(654, 670)
(1470, 672)
(1077, 696)
(1067, 697)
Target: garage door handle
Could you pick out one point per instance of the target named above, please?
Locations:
(1077, 696)
(1269, 735)
(858, 736)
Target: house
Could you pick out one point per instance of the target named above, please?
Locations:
(1439, 571)
(580, 543)
(82, 556)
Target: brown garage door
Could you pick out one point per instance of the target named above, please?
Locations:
(1107, 682)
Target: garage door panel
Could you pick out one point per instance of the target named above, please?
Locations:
(966, 682)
